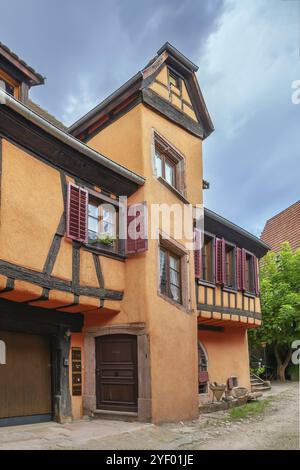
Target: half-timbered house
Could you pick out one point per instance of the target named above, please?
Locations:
(93, 322)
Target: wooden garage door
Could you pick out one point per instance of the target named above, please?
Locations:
(25, 379)
(116, 372)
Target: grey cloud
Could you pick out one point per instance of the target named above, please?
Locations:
(103, 42)
(254, 173)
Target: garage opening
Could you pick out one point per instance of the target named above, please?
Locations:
(25, 379)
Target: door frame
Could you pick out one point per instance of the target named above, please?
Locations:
(143, 364)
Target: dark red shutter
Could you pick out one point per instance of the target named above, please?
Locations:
(256, 275)
(223, 261)
(197, 253)
(243, 269)
(203, 376)
(137, 228)
(238, 254)
(220, 269)
(240, 268)
(77, 213)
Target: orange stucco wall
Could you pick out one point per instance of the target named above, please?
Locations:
(31, 205)
(30, 211)
(227, 354)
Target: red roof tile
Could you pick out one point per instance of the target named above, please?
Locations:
(283, 227)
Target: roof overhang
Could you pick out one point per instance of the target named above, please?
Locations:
(15, 117)
(223, 228)
(30, 75)
(117, 97)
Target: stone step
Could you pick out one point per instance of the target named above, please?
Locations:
(256, 382)
(260, 388)
(115, 415)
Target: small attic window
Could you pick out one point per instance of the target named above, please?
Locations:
(9, 84)
(174, 80)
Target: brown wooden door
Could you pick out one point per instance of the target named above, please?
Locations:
(116, 372)
(25, 379)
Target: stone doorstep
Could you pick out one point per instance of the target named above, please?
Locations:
(115, 415)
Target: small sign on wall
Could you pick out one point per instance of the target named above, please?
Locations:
(2, 353)
(76, 372)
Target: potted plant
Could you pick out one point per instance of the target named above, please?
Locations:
(105, 239)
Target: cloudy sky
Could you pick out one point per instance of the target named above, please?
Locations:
(248, 52)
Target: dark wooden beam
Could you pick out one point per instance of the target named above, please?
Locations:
(168, 110)
(232, 311)
(20, 317)
(62, 405)
(51, 282)
(203, 327)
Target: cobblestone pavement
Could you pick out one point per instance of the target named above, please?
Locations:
(276, 428)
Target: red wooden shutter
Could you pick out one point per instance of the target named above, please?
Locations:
(203, 376)
(197, 253)
(77, 213)
(223, 261)
(256, 275)
(137, 228)
(243, 269)
(238, 254)
(220, 269)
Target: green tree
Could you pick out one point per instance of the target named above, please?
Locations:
(280, 302)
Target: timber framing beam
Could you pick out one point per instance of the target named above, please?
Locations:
(16, 316)
(232, 311)
(51, 282)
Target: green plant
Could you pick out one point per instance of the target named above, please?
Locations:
(259, 371)
(280, 302)
(250, 409)
(105, 239)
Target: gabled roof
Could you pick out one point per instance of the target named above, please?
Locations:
(283, 227)
(135, 91)
(31, 76)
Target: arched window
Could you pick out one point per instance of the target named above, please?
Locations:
(2, 353)
(202, 368)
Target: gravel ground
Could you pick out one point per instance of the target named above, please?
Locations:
(276, 428)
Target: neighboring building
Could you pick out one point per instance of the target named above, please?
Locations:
(283, 227)
(227, 300)
(88, 323)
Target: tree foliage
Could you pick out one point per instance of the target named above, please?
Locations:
(280, 302)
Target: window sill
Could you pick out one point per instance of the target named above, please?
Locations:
(173, 302)
(205, 283)
(173, 190)
(104, 252)
(230, 289)
(249, 294)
